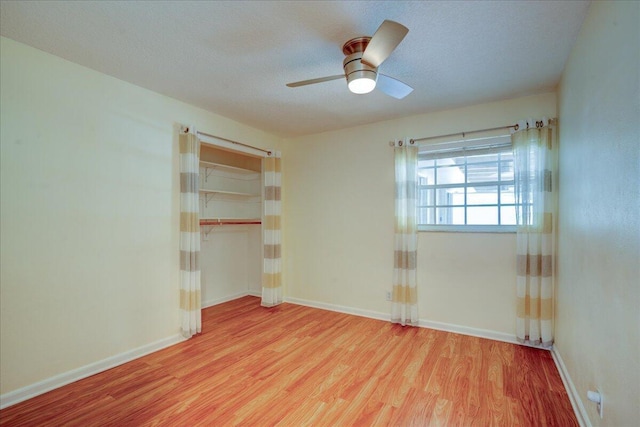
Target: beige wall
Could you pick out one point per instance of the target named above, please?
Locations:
(339, 223)
(231, 262)
(89, 214)
(598, 292)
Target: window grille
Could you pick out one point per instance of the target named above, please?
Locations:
(466, 186)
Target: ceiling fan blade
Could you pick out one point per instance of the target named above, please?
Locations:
(314, 81)
(393, 87)
(384, 41)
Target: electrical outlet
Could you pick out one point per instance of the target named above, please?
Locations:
(601, 405)
(388, 296)
(596, 397)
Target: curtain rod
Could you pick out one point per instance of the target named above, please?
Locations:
(186, 130)
(515, 127)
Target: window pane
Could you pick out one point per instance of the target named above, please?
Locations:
(506, 156)
(483, 172)
(426, 216)
(450, 161)
(450, 216)
(482, 195)
(507, 196)
(508, 215)
(426, 176)
(506, 171)
(450, 175)
(485, 215)
(450, 196)
(482, 158)
(425, 196)
(425, 162)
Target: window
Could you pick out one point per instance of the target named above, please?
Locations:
(465, 186)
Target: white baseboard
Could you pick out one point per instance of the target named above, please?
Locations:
(216, 301)
(574, 396)
(447, 327)
(467, 330)
(339, 308)
(65, 378)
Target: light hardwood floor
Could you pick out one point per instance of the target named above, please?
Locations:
(294, 366)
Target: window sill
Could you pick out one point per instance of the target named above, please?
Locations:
(468, 228)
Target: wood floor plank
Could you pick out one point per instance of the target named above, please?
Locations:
(305, 414)
(294, 366)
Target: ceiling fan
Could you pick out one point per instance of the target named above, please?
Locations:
(363, 57)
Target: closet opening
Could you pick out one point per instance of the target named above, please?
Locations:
(231, 198)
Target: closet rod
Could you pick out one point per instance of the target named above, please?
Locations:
(223, 222)
(516, 127)
(231, 141)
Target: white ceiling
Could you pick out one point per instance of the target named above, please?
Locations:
(234, 57)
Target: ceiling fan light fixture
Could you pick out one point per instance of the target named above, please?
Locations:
(361, 81)
(361, 85)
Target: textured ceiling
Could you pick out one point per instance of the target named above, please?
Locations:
(234, 57)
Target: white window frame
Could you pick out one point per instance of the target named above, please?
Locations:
(459, 148)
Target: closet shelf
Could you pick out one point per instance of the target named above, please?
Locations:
(227, 168)
(229, 193)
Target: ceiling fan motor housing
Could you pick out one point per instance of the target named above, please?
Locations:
(355, 69)
(352, 64)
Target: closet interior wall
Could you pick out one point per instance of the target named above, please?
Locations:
(230, 254)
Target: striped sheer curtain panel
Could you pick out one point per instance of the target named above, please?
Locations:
(535, 192)
(272, 271)
(404, 301)
(191, 323)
